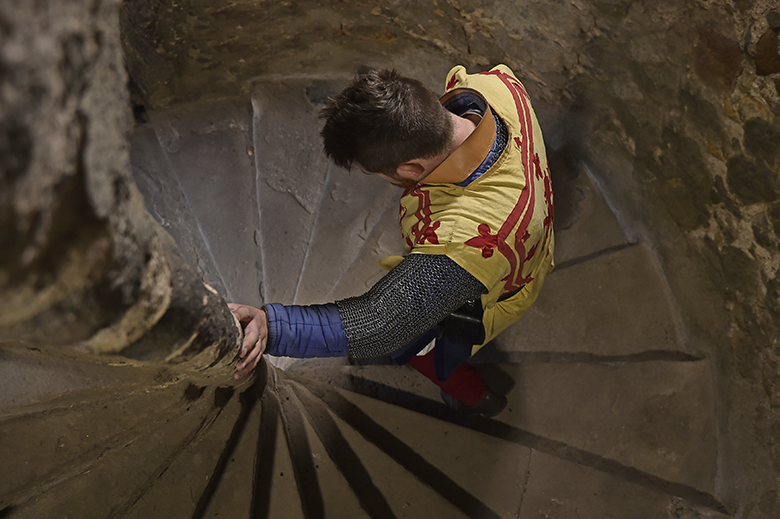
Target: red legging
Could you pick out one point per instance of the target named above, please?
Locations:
(465, 382)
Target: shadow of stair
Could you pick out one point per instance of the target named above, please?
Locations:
(608, 415)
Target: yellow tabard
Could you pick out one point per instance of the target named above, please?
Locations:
(499, 227)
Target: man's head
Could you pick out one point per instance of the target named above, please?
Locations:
(383, 120)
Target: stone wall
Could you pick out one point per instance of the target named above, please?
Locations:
(83, 267)
(680, 109)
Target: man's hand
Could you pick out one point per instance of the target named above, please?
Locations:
(255, 324)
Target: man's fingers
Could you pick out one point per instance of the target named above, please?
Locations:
(243, 313)
(248, 364)
(252, 347)
(251, 357)
(251, 336)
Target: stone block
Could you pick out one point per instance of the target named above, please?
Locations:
(291, 177)
(584, 222)
(209, 150)
(351, 206)
(612, 305)
(557, 488)
(654, 417)
(167, 203)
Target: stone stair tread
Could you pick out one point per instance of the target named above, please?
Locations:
(308, 452)
(188, 478)
(584, 223)
(283, 500)
(104, 450)
(239, 488)
(351, 206)
(613, 304)
(55, 376)
(363, 272)
(166, 202)
(291, 177)
(378, 381)
(549, 493)
(655, 416)
(208, 150)
(447, 465)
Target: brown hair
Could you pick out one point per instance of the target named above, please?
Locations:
(383, 119)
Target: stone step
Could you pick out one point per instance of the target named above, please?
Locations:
(291, 179)
(353, 203)
(560, 488)
(584, 223)
(613, 305)
(167, 203)
(330, 481)
(198, 180)
(276, 493)
(209, 152)
(654, 417)
(95, 455)
(382, 241)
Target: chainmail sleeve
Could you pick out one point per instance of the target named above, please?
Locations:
(411, 299)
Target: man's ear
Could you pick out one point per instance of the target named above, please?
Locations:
(411, 171)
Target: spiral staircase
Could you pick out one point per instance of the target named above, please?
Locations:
(609, 415)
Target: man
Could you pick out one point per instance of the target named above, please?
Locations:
(476, 218)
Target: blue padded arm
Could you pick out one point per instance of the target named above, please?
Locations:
(305, 331)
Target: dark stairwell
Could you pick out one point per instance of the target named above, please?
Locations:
(643, 384)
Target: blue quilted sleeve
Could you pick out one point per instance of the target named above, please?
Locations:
(305, 331)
